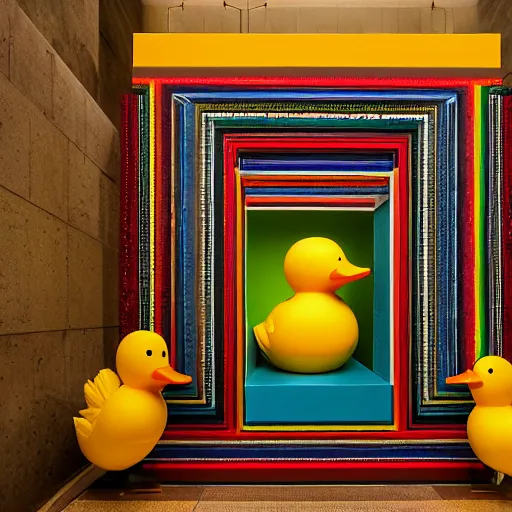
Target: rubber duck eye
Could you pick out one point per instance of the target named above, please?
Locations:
(149, 352)
(490, 370)
(163, 353)
(339, 259)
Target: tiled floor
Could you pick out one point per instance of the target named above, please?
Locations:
(296, 498)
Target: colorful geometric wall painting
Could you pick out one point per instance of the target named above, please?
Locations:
(411, 173)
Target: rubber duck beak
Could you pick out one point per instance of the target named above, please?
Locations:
(347, 273)
(470, 377)
(169, 375)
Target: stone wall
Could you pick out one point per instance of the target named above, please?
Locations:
(496, 16)
(94, 40)
(71, 29)
(118, 19)
(216, 18)
(59, 223)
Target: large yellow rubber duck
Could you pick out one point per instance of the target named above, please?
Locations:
(123, 423)
(490, 421)
(314, 331)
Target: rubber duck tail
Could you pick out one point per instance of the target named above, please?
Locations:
(261, 334)
(83, 428)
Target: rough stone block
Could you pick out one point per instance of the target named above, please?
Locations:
(20, 422)
(257, 21)
(317, 20)
(438, 21)
(110, 343)
(5, 33)
(102, 140)
(390, 21)
(48, 166)
(110, 212)
(68, 103)
(191, 19)
(87, 16)
(31, 62)
(426, 20)
(119, 20)
(449, 21)
(465, 20)
(93, 199)
(84, 193)
(220, 20)
(41, 389)
(282, 20)
(84, 358)
(110, 287)
(409, 21)
(114, 65)
(350, 20)
(71, 27)
(85, 280)
(155, 18)
(33, 268)
(372, 21)
(14, 139)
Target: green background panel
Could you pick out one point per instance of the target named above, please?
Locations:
(271, 233)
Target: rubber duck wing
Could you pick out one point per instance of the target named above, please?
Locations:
(105, 384)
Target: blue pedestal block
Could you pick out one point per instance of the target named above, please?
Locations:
(351, 395)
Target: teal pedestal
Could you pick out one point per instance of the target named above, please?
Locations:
(351, 395)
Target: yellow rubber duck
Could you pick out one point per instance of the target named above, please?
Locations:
(490, 421)
(123, 423)
(314, 331)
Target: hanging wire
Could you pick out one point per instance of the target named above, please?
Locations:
(432, 8)
(249, 14)
(181, 6)
(248, 10)
(226, 5)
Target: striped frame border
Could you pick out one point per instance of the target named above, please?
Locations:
(223, 115)
(492, 345)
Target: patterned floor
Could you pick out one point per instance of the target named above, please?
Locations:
(297, 498)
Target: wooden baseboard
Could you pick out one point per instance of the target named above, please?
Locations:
(73, 489)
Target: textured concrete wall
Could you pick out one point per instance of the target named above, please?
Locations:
(496, 16)
(59, 215)
(308, 19)
(94, 40)
(71, 28)
(118, 19)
